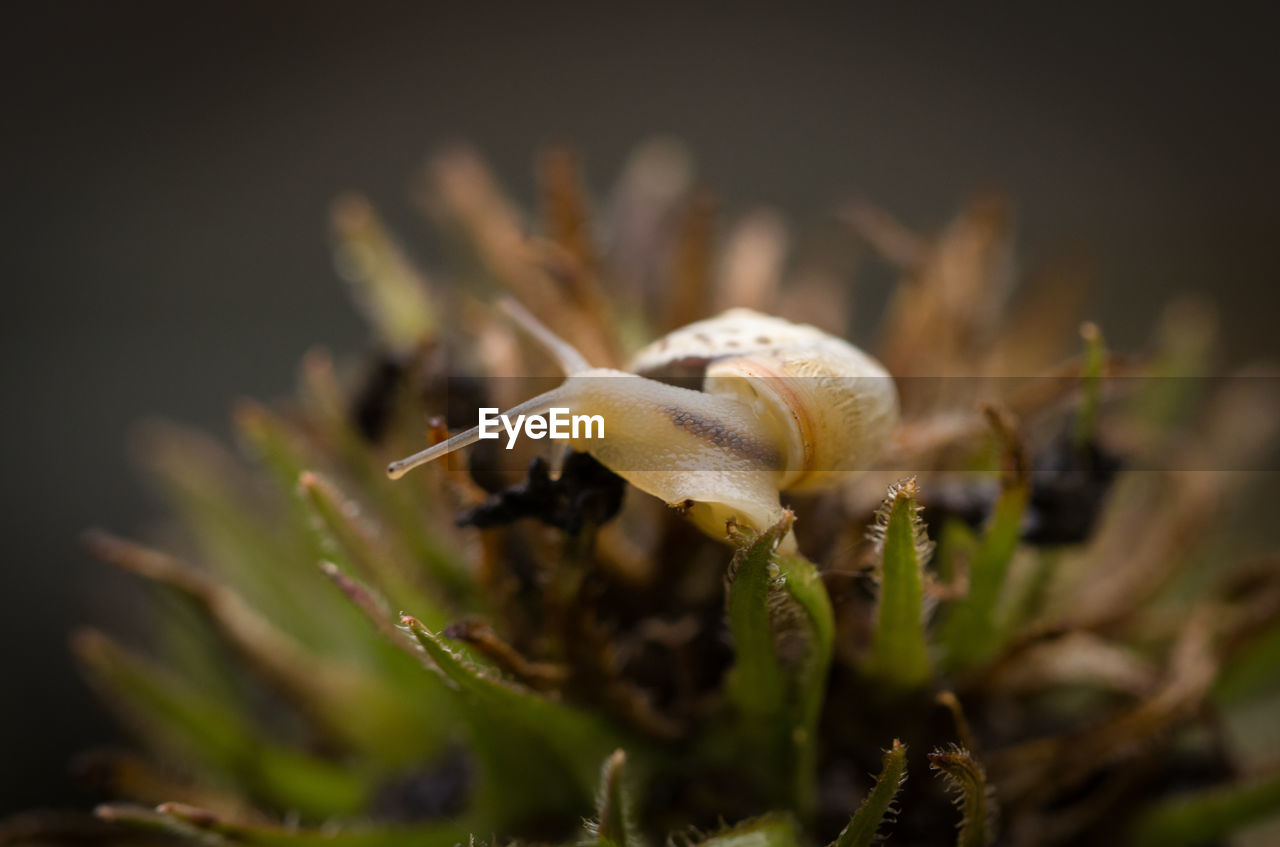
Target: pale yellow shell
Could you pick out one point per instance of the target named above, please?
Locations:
(833, 404)
(828, 406)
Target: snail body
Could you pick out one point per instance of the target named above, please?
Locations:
(782, 406)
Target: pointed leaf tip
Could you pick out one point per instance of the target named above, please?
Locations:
(202, 818)
(757, 681)
(613, 822)
(977, 626)
(578, 739)
(1095, 359)
(877, 808)
(899, 654)
(966, 777)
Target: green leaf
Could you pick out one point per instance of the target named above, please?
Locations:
(756, 683)
(391, 293)
(804, 586)
(956, 543)
(771, 830)
(143, 819)
(1251, 671)
(517, 733)
(1095, 359)
(876, 808)
(782, 626)
(324, 690)
(177, 721)
(1207, 816)
(976, 628)
(287, 455)
(275, 443)
(613, 825)
(202, 827)
(239, 532)
(375, 556)
(406, 512)
(967, 778)
(899, 654)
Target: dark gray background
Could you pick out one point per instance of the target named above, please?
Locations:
(167, 166)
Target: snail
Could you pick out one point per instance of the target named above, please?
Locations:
(783, 407)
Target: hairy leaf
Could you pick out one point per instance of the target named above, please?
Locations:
(899, 655)
(877, 807)
(240, 532)
(613, 824)
(782, 626)
(967, 778)
(756, 683)
(325, 691)
(376, 557)
(771, 830)
(517, 732)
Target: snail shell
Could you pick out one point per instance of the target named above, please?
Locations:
(830, 404)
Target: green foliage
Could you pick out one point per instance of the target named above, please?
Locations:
(817, 631)
(1196, 818)
(766, 831)
(182, 725)
(517, 732)
(363, 549)
(781, 623)
(967, 778)
(614, 825)
(877, 808)
(325, 691)
(957, 544)
(200, 827)
(899, 655)
(1095, 360)
(1251, 672)
(757, 682)
(976, 627)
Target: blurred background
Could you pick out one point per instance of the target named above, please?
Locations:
(167, 170)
